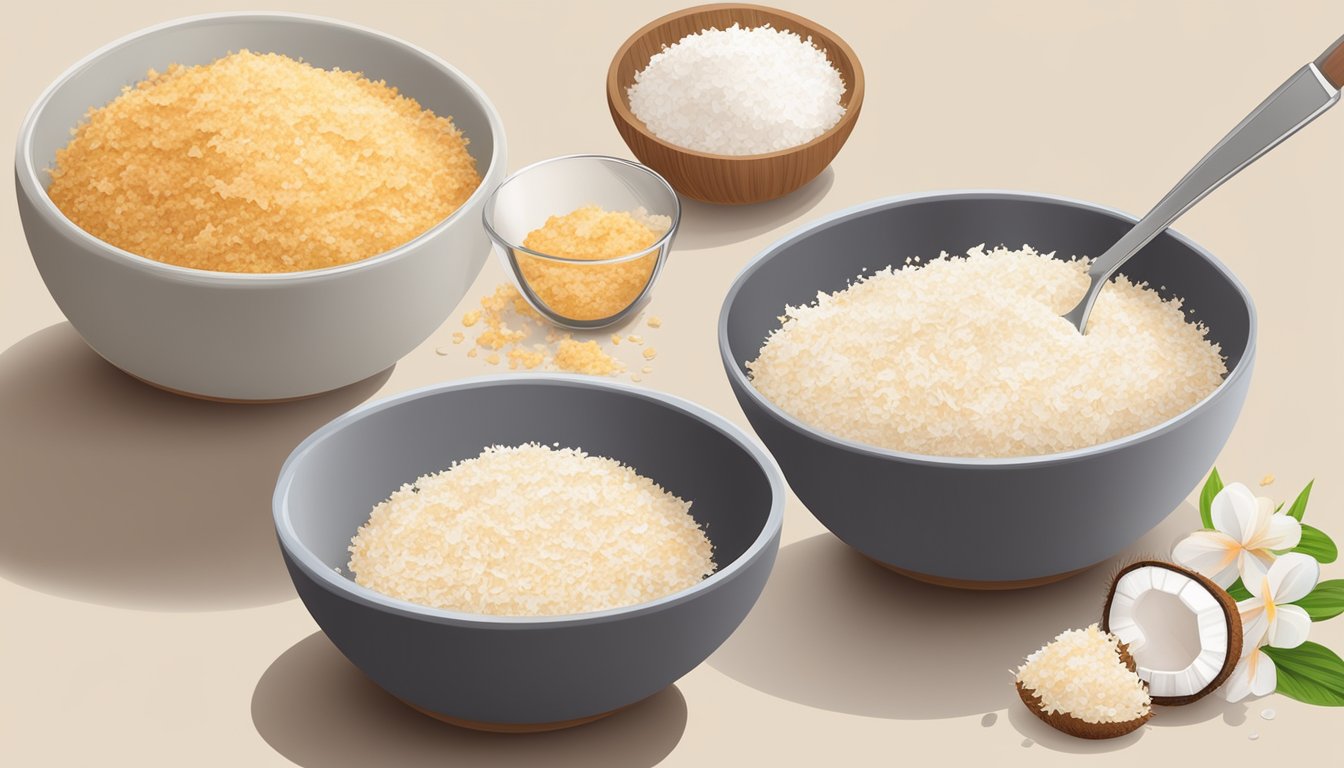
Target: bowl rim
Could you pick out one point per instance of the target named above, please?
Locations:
(742, 383)
(36, 192)
(618, 100)
(347, 589)
(487, 210)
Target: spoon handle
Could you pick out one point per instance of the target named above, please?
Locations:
(1302, 98)
(1331, 63)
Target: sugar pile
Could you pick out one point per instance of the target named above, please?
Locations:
(599, 290)
(1081, 674)
(738, 91)
(260, 163)
(531, 531)
(969, 357)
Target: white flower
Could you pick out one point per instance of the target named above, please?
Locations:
(1265, 617)
(1246, 533)
(1254, 675)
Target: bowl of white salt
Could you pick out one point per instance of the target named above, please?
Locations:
(906, 363)
(528, 552)
(735, 103)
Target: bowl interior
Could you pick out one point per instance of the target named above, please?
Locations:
(828, 256)
(660, 33)
(555, 187)
(318, 42)
(358, 460)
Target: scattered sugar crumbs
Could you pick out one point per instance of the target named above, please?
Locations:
(261, 163)
(511, 332)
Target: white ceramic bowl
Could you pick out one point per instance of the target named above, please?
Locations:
(255, 336)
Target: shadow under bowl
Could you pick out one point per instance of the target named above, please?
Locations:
(972, 522)
(236, 336)
(730, 179)
(527, 673)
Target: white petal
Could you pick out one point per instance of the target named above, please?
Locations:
(1252, 566)
(1210, 553)
(1283, 532)
(1290, 626)
(1264, 675)
(1238, 685)
(1234, 511)
(1293, 576)
(1254, 624)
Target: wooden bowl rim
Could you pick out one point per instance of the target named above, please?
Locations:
(618, 100)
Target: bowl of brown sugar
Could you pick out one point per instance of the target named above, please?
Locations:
(258, 206)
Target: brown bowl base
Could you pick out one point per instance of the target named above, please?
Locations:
(478, 725)
(983, 586)
(213, 399)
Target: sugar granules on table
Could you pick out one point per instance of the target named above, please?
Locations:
(505, 323)
(968, 356)
(738, 91)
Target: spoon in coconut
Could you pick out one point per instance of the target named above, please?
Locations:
(1301, 99)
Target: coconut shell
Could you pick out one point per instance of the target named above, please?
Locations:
(1230, 614)
(1066, 723)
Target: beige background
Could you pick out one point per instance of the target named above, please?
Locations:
(147, 619)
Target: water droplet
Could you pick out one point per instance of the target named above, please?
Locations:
(1267, 714)
(1253, 736)
(1027, 742)
(989, 720)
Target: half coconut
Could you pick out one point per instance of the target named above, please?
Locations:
(1182, 629)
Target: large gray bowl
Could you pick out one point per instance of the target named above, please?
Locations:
(501, 672)
(238, 336)
(989, 523)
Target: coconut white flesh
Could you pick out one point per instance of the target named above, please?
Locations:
(1174, 628)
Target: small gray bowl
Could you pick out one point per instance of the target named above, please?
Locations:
(237, 336)
(986, 523)
(527, 673)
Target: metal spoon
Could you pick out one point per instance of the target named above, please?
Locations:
(1312, 90)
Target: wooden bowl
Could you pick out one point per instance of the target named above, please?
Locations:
(730, 179)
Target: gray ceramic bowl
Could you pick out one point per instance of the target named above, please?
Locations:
(506, 673)
(248, 336)
(990, 523)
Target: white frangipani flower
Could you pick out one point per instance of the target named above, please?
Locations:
(1247, 532)
(1265, 616)
(1254, 675)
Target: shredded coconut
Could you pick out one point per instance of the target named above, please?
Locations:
(260, 163)
(1081, 674)
(738, 91)
(970, 357)
(531, 531)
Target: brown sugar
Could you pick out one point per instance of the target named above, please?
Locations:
(260, 163)
(599, 290)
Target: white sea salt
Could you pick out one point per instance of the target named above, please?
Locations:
(739, 91)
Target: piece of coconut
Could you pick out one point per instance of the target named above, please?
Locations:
(1183, 630)
(1084, 684)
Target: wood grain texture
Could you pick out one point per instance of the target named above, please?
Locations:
(730, 179)
(1331, 63)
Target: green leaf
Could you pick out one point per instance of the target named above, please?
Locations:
(1211, 488)
(1326, 601)
(1239, 592)
(1317, 544)
(1299, 507)
(1310, 673)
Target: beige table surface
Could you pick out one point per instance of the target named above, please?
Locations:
(145, 616)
